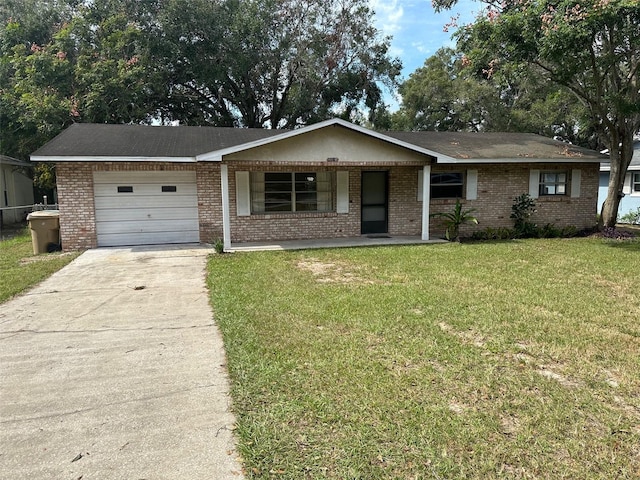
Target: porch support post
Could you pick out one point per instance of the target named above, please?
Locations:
(226, 220)
(426, 195)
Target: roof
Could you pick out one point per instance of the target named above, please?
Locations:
(491, 146)
(106, 142)
(635, 160)
(5, 160)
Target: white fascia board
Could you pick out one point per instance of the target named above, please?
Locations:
(480, 161)
(606, 167)
(62, 158)
(218, 155)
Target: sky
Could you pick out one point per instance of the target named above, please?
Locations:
(417, 30)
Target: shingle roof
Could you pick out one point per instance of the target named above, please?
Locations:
(105, 140)
(494, 145)
(5, 160)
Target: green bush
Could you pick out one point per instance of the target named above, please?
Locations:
(521, 210)
(548, 231)
(490, 233)
(632, 217)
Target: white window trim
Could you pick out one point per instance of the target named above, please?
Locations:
(635, 181)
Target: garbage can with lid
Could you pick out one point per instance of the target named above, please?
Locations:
(45, 230)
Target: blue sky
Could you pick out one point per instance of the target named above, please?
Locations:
(416, 29)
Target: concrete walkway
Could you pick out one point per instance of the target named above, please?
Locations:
(114, 369)
(347, 242)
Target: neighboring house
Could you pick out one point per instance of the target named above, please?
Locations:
(16, 190)
(631, 189)
(131, 184)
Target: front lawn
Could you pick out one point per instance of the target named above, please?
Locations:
(490, 360)
(21, 269)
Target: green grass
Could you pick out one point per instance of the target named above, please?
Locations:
(21, 269)
(489, 360)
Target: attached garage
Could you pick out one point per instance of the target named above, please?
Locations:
(146, 208)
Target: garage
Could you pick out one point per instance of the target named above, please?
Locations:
(146, 207)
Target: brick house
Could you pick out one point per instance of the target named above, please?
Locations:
(134, 185)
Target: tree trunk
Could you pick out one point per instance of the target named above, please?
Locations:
(620, 153)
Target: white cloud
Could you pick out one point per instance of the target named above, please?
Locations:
(388, 15)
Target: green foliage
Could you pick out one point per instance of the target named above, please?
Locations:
(491, 233)
(65, 62)
(591, 48)
(632, 217)
(455, 219)
(521, 211)
(254, 63)
(447, 94)
(218, 245)
(272, 63)
(532, 231)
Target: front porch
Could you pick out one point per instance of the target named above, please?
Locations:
(361, 241)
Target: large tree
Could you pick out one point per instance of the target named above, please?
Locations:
(71, 63)
(271, 63)
(591, 47)
(449, 94)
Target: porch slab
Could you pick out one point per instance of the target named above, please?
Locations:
(361, 241)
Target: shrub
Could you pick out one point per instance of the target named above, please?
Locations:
(453, 221)
(615, 234)
(521, 210)
(549, 231)
(632, 217)
(218, 245)
(490, 233)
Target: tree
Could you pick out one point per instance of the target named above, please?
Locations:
(69, 62)
(591, 47)
(271, 63)
(449, 94)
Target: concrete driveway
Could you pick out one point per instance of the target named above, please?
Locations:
(114, 369)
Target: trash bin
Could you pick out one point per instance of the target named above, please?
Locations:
(45, 231)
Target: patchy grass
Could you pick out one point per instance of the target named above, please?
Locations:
(493, 360)
(21, 269)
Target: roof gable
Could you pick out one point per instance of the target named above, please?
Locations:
(333, 143)
(336, 122)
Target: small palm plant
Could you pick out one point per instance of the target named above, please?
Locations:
(453, 221)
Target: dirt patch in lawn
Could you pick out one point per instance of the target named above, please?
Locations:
(335, 272)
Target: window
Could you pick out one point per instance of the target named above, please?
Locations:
(125, 189)
(553, 183)
(291, 192)
(446, 185)
(169, 188)
(635, 182)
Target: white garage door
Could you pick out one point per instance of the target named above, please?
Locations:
(145, 208)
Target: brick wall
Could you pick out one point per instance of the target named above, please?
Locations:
(499, 184)
(405, 212)
(75, 201)
(209, 201)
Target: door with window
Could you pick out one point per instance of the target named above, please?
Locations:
(375, 202)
